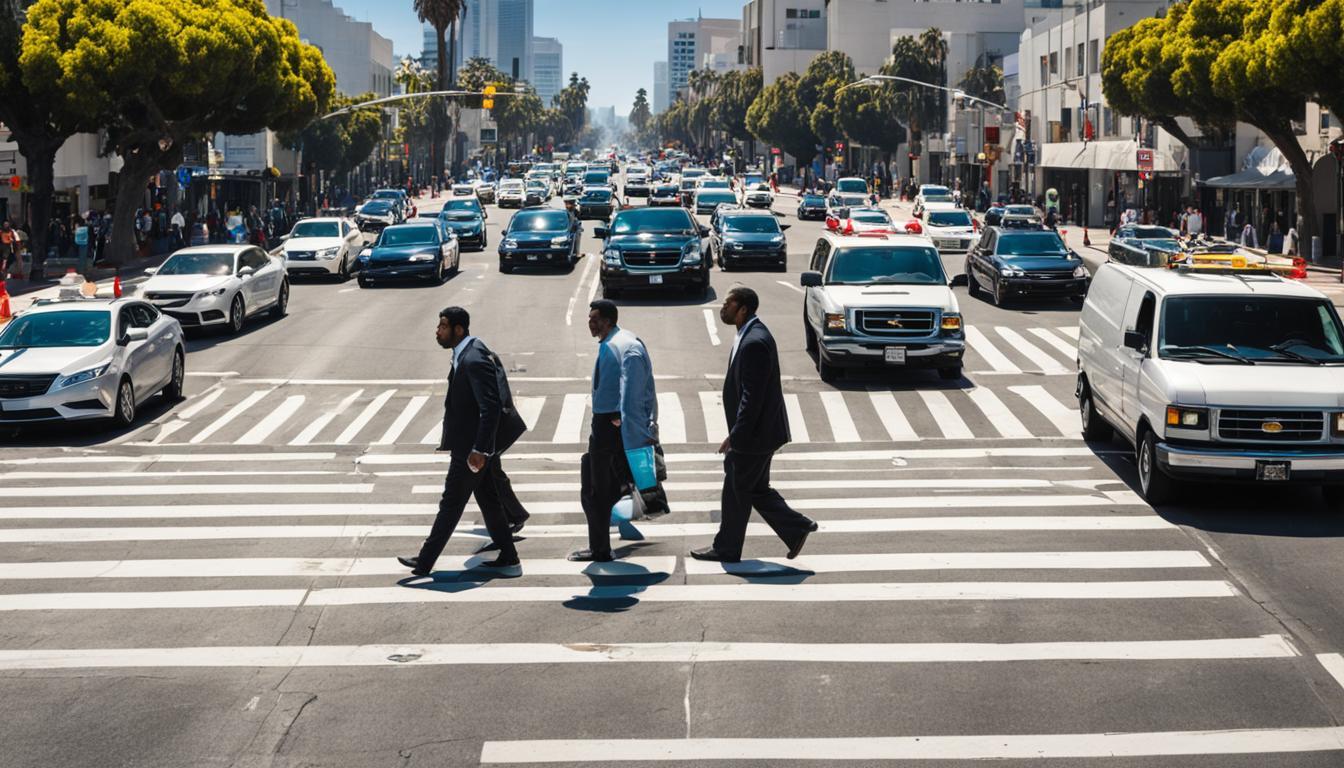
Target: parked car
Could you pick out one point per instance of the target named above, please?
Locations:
(665, 193)
(512, 193)
(425, 250)
(1008, 263)
(650, 248)
(324, 246)
(740, 238)
(220, 286)
(540, 237)
(707, 200)
(759, 196)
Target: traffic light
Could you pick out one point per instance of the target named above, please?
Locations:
(488, 102)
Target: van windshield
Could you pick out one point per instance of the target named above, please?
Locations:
(1251, 329)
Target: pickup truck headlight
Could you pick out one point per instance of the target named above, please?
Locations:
(690, 255)
(83, 376)
(951, 323)
(612, 257)
(1187, 418)
(1080, 271)
(559, 242)
(510, 243)
(835, 321)
(1337, 424)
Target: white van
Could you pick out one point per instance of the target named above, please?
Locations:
(1214, 375)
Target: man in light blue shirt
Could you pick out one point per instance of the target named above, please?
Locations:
(625, 415)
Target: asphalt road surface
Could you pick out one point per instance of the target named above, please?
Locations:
(216, 587)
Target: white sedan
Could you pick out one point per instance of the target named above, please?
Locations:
(218, 285)
(952, 228)
(327, 246)
(760, 196)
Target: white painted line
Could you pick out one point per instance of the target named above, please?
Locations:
(407, 414)
(793, 408)
(779, 593)
(712, 325)
(223, 568)
(960, 561)
(168, 430)
(102, 601)
(176, 475)
(574, 298)
(579, 530)
(190, 411)
(837, 413)
(570, 427)
(997, 413)
(443, 654)
(229, 416)
(528, 407)
(1069, 349)
(671, 419)
(1044, 362)
(1064, 418)
(711, 408)
(1076, 451)
(110, 491)
(365, 417)
(947, 418)
(1334, 664)
(986, 349)
(1034, 747)
(312, 430)
(790, 286)
(1069, 330)
(273, 421)
(910, 483)
(163, 458)
(893, 420)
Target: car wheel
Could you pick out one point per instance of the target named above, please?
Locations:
(810, 339)
(609, 292)
(506, 268)
(237, 314)
(124, 415)
(972, 285)
(1155, 485)
(363, 283)
(1095, 428)
(950, 374)
(343, 273)
(173, 391)
(440, 274)
(281, 301)
(828, 373)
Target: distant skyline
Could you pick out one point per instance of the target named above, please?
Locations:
(613, 43)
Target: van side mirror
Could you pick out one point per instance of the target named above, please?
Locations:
(810, 279)
(959, 281)
(1136, 341)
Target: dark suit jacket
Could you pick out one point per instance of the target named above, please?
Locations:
(753, 400)
(478, 412)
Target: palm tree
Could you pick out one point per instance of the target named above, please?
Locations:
(442, 15)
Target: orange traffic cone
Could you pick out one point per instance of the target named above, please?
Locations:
(1087, 241)
(5, 314)
(116, 287)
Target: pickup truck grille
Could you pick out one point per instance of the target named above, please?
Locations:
(1258, 425)
(896, 323)
(652, 258)
(17, 385)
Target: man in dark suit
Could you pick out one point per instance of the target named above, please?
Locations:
(758, 425)
(479, 424)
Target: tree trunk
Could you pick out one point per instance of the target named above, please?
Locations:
(1170, 125)
(136, 168)
(41, 159)
(1283, 138)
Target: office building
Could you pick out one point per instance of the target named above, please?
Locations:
(548, 67)
(689, 40)
(360, 58)
(659, 99)
(782, 36)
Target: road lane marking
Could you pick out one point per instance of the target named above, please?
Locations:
(712, 326)
(574, 298)
(186, 414)
(711, 409)
(846, 456)
(1064, 418)
(177, 489)
(248, 567)
(230, 415)
(272, 421)
(908, 483)
(569, 428)
(203, 598)
(837, 413)
(986, 349)
(671, 419)
(793, 408)
(312, 430)
(893, 420)
(998, 414)
(469, 654)
(961, 561)
(365, 417)
(1069, 330)
(1044, 362)
(1069, 351)
(529, 408)
(945, 415)
(403, 420)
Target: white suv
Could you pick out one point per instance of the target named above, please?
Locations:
(1229, 375)
(881, 300)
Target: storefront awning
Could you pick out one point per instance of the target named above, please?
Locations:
(1102, 155)
(1263, 168)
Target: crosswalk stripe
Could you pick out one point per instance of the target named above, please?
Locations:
(570, 426)
(310, 432)
(1069, 330)
(671, 419)
(889, 413)
(997, 413)
(1067, 349)
(230, 415)
(947, 418)
(986, 349)
(181, 489)
(219, 568)
(528, 407)
(667, 530)
(446, 654)
(1033, 747)
(365, 416)
(1064, 418)
(711, 408)
(837, 413)
(1042, 359)
(910, 483)
(200, 405)
(961, 561)
(202, 598)
(848, 456)
(273, 421)
(403, 420)
(793, 408)
(168, 430)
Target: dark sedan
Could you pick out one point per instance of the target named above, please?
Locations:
(665, 193)
(1023, 262)
(423, 249)
(376, 214)
(708, 200)
(538, 237)
(811, 207)
(748, 239)
(597, 203)
(466, 219)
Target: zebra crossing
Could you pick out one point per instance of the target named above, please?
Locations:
(958, 603)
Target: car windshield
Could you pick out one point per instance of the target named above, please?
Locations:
(1251, 329)
(596, 178)
(1031, 243)
(715, 197)
(949, 218)
(540, 221)
(852, 185)
(1162, 244)
(714, 184)
(932, 190)
(378, 206)
(917, 265)
(534, 184)
(387, 194)
(408, 236)
(852, 200)
(758, 224)
(652, 220)
(462, 206)
(599, 195)
(813, 200)
(513, 186)
(1020, 210)
(870, 217)
(316, 229)
(692, 173)
(1151, 233)
(198, 264)
(69, 328)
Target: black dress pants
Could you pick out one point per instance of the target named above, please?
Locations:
(460, 484)
(746, 484)
(605, 475)
(514, 511)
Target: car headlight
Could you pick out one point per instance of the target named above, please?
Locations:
(215, 292)
(736, 246)
(1080, 271)
(1187, 418)
(777, 239)
(951, 322)
(558, 242)
(510, 243)
(421, 257)
(835, 321)
(328, 254)
(1011, 272)
(691, 255)
(612, 256)
(83, 376)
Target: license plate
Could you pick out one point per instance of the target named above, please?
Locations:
(946, 243)
(895, 354)
(531, 257)
(1272, 470)
(655, 279)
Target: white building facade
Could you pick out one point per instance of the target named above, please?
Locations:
(782, 36)
(689, 40)
(548, 67)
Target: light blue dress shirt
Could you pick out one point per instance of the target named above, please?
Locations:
(623, 383)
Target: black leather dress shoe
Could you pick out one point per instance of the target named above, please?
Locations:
(518, 526)
(798, 545)
(587, 556)
(713, 555)
(414, 564)
(501, 567)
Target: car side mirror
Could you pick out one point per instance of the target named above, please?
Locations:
(1136, 341)
(810, 279)
(601, 232)
(134, 334)
(284, 237)
(152, 271)
(959, 280)
(246, 271)
(783, 227)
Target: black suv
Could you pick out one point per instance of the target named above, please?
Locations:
(538, 237)
(748, 239)
(652, 248)
(1025, 262)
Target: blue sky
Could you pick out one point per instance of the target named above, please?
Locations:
(613, 43)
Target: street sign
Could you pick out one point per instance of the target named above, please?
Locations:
(991, 134)
(183, 176)
(1144, 159)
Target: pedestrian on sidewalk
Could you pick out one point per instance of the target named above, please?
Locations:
(1274, 240)
(1194, 222)
(8, 250)
(1248, 238)
(479, 424)
(625, 416)
(1230, 228)
(179, 224)
(82, 242)
(758, 426)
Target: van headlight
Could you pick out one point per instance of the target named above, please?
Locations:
(421, 257)
(560, 242)
(1181, 417)
(835, 322)
(951, 323)
(509, 242)
(1337, 424)
(83, 376)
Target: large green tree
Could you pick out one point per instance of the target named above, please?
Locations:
(517, 116)
(777, 117)
(442, 15)
(984, 81)
(156, 74)
(923, 59)
(817, 87)
(1136, 68)
(737, 91)
(869, 117)
(673, 125)
(573, 101)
